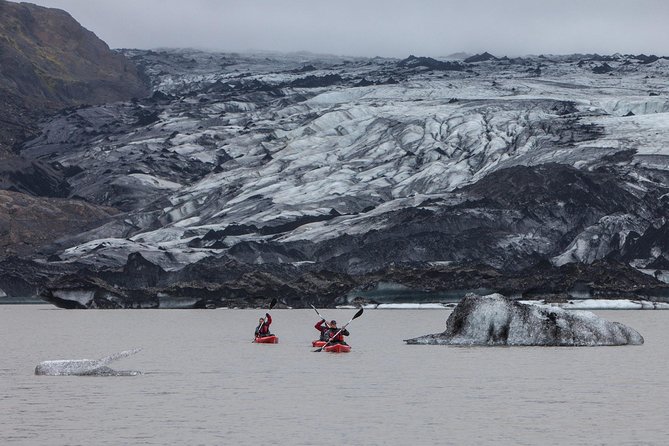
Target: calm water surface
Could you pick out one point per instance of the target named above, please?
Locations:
(205, 383)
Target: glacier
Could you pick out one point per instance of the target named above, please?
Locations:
(302, 164)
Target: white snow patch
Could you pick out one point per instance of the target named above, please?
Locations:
(603, 304)
(153, 181)
(82, 297)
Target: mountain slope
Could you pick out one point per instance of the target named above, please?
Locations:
(28, 223)
(48, 61)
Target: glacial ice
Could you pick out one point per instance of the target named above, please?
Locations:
(383, 148)
(495, 320)
(612, 304)
(86, 367)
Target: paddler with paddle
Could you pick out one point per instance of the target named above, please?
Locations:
(330, 332)
(263, 326)
(332, 337)
(262, 330)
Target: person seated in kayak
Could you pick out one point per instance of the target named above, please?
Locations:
(262, 329)
(322, 326)
(330, 332)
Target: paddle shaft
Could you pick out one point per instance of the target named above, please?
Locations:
(319, 315)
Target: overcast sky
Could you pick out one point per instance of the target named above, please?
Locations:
(394, 28)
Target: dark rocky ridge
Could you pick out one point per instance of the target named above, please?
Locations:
(483, 57)
(229, 283)
(429, 63)
(28, 224)
(49, 61)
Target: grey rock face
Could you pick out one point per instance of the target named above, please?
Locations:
(496, 321)
(48, 61)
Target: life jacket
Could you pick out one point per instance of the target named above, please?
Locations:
(336, 336)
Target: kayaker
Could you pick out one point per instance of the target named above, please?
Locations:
(263, 326)
(330, 332)
(322, 326)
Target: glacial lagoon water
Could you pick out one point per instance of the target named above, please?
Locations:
(204, 382)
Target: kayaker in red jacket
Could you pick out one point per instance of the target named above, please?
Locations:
(330, 332)
(263, 326)
(322, 326)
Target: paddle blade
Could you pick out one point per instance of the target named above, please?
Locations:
(271, 304)
(358, 314)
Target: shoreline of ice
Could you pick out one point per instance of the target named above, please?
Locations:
(575, 304)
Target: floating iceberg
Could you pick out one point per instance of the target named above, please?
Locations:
(86, 367)
(496, 320)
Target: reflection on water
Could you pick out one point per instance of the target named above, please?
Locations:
(205, 382)
(16, 300)
(385, 292)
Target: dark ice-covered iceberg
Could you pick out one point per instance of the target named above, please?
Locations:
(496, 320)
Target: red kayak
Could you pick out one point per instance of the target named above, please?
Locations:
(338, 348)
(266, 340)
(318, 343)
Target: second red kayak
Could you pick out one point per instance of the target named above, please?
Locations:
(337, 348)
(332, 348)
(266, 340)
